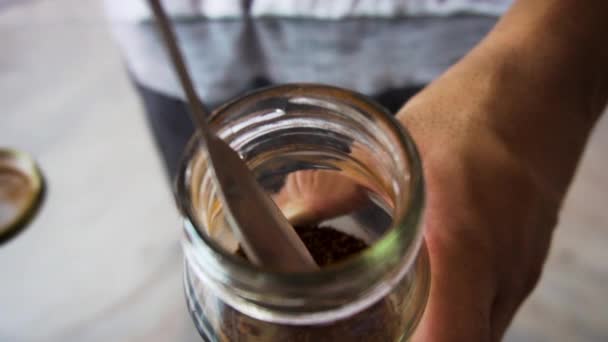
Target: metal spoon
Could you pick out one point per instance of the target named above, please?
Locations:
(264, 233)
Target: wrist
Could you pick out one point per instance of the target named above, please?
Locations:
(558, 48)
(543, 90)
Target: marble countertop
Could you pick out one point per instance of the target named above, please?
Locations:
(102, 261)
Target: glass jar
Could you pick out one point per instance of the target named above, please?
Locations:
(283, 132)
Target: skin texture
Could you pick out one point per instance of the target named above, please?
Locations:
(500, 135)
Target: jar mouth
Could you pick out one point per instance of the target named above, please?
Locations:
(289, 297)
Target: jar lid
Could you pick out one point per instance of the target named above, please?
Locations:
(21, 187)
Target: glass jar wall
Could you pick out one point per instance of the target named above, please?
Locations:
(328, 157)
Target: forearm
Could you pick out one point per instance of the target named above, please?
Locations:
(541, 79)
(553, 60)
(560, 46)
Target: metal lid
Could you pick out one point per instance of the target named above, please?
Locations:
(20, 191)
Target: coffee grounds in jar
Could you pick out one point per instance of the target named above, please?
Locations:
(326, 244)
(378, 323)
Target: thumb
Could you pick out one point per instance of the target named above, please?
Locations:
(460, 298)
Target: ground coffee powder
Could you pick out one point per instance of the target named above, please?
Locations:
(326, 244)
(378, 323)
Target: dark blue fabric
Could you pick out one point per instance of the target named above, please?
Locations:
(171, 127)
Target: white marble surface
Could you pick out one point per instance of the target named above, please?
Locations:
(101, 262)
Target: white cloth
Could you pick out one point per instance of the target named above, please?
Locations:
(134, 10)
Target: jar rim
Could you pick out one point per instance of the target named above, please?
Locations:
(405, 227)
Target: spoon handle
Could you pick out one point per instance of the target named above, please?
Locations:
(197, 108)
(265, 234)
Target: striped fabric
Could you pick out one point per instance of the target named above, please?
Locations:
(322, 9)
(375, 46)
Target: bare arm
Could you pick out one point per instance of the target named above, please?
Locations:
(501, 134)
(552, 56)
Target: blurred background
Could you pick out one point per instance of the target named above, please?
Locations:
(102, 261)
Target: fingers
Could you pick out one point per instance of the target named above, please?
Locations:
(311, 196)
(459, 304)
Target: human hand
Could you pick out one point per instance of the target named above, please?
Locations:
(489, 216)
(500, 135)
(488, 221)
